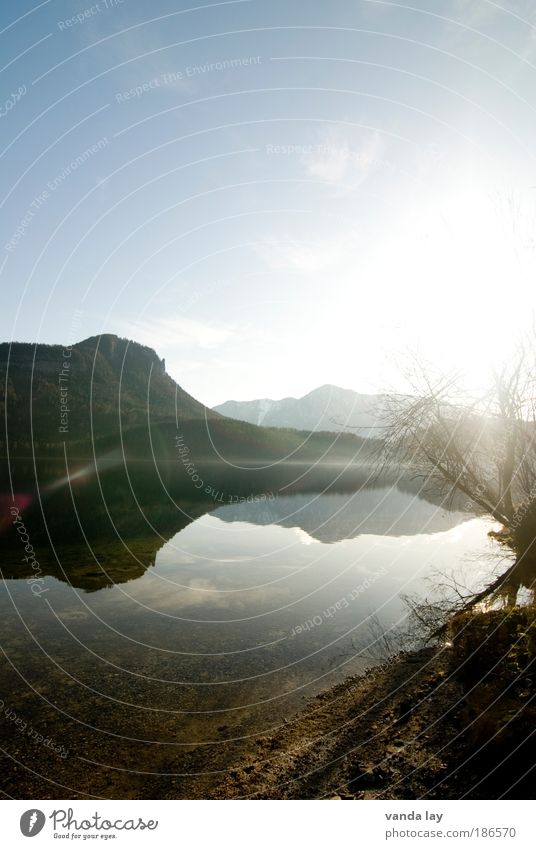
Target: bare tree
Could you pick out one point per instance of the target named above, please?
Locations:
(484, 448)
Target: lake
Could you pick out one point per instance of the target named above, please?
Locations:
(152, 659)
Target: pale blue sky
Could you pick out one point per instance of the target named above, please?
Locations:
(298, 193)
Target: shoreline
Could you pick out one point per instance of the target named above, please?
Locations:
(445, 723)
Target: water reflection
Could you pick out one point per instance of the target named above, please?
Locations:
(250, 576)
(195, 628)
(330, 517)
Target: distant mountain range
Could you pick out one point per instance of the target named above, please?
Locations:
(328, 408)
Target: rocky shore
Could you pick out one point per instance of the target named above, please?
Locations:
(449, 722)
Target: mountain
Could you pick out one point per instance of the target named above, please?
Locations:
(328, 408)
(96, 386)
(110, 400)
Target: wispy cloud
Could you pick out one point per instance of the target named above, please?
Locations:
(194, 338)
(344, 164)
(178, 332)
(298, 256)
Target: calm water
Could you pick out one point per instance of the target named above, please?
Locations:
(218, 632)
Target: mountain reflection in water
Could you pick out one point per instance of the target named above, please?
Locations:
(331, 517)
(196, 626)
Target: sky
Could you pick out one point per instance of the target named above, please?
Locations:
(273, 195)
